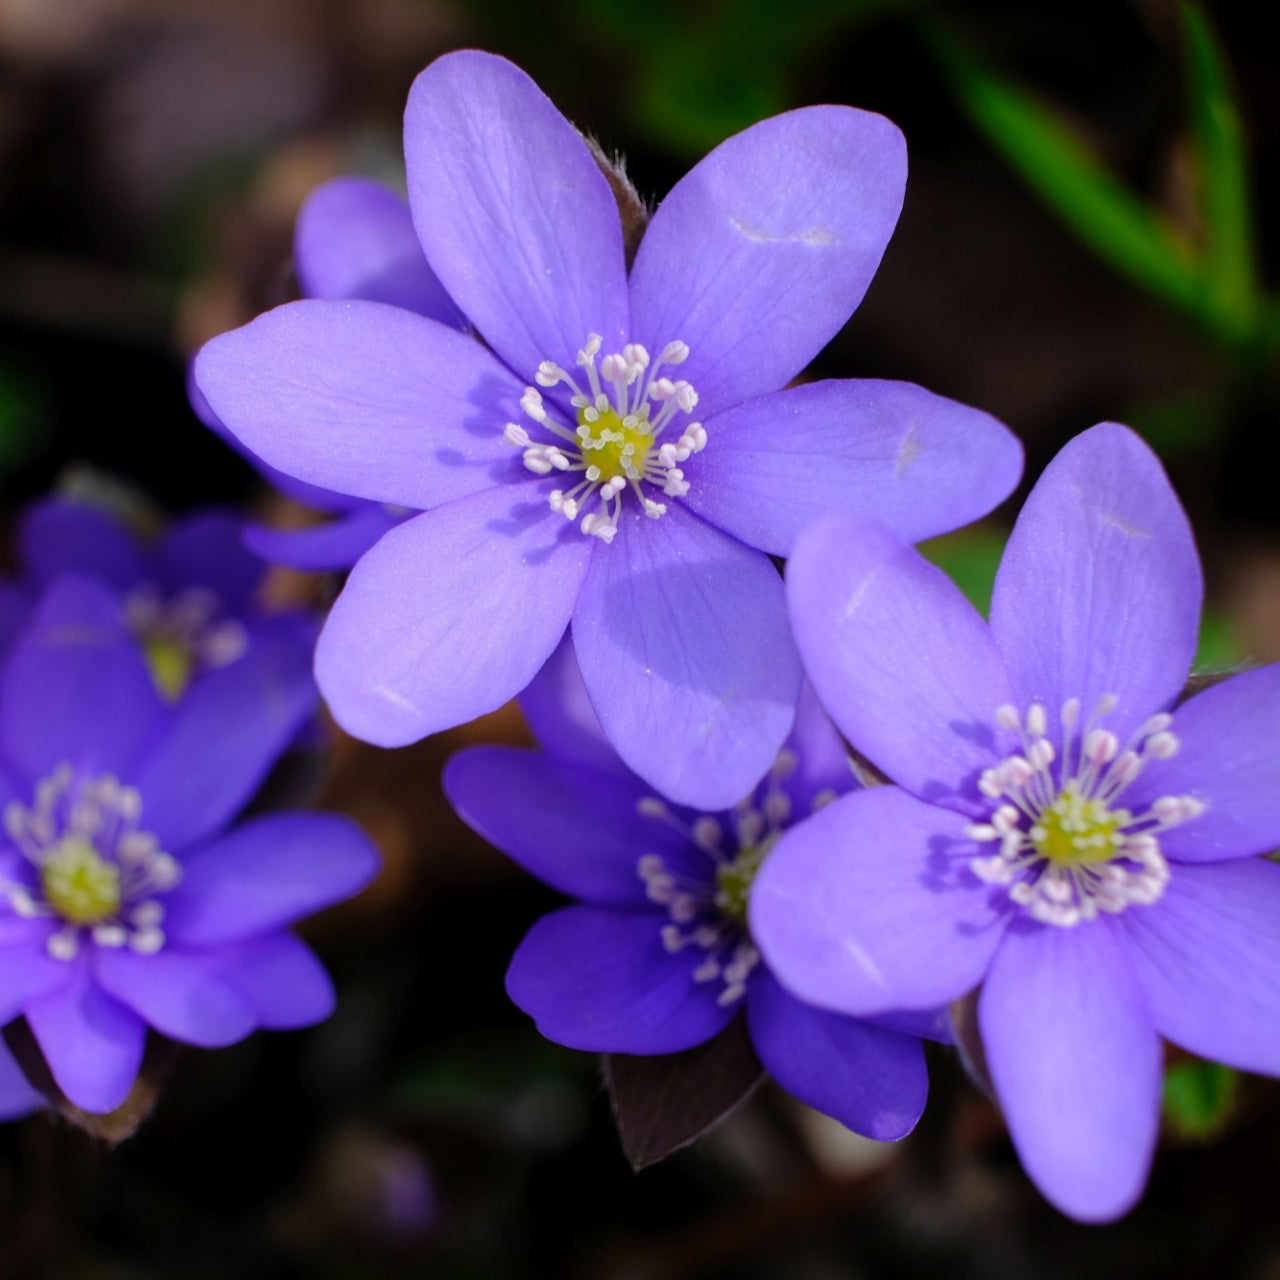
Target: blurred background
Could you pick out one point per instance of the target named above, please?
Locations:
(1091, 232)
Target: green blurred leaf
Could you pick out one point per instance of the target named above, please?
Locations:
(970, 558)
(704, 71)
(1198, 1097)
(1230, 279)
(1060, 165)
(1218, 649)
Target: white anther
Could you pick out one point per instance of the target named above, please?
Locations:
(1161, 746)
(652, 807)
(589, 352)
(981, 831)
(990, 785)
(636, 354)
(694, 437)
(685, 396)
(777, 807)
(514, 434)
(63, 945)
(1126, 768)
(1070, 714)
(531, 403)
(707, 833)
(146, 942)
(1101, 745)
(1007, 717)
(1037, 721)
(683, 909)
(548, 374)
(707, 971)
(1040, 755)
(672, 939)
(675, 352)
(110, 935)
(654, 510)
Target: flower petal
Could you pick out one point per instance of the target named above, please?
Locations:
(1228, 757)
(354, 238)
(92, 1043)
(558, 711)
(76, 688)
(762, 251)
(282, 980)
(1076, 1064)
(918, 463)
(17, 1097)
(869, 907)
(601, 980)
(265, 875)
(206, 549)
(27, 971)
(1208, 957)
(365, 399)
(901, 660)
(822, 766)
(514, 213)
(59, 535)
(872, 1081)
(575, 827)
(336, 544)
(450, 615)
(225, 735)
(182, 996)
(1099, 589)
(681, 634)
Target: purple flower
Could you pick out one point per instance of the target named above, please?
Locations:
(190, 595)
(1058, 836)
(639, 488)
(354, 238)
(125, 900)
(656, 956)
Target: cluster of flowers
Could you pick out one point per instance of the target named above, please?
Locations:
(562, 457)
(144, 699)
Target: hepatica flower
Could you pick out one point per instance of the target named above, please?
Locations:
(126, 899)
(354, 238)
(656, 956)
(189, 595)
(1062, 834)
(612, 451)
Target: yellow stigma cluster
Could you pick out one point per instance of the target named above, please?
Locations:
(615, 447)
(1076, 829)
(79, 883)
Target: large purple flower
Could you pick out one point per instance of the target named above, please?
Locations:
(1058, 834)
(354, 238)
(655, 957)
(190, 594)
(125, 901)
(639, 488)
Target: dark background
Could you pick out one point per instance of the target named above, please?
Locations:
(152, 157)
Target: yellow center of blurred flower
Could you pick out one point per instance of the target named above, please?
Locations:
(79, 883)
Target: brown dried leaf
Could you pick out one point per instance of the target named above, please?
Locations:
(663, 1102)
(113, 1127)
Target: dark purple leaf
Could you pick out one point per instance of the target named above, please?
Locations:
(665, 1101)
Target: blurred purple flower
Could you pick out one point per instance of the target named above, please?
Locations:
(749, 267)
(125, 901)
(190, 596)
(656, 957)
(354, 238)
(1057, 835)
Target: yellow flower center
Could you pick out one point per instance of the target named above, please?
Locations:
(616, 446)
(1075, 829)
(171, 663)
(734, 879)
(79, 883)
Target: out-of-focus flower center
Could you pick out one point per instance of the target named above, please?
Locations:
(79, 883)
(1067, 849)
(617, 444)
(93, 869)
(182, 635)
(707, 909)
